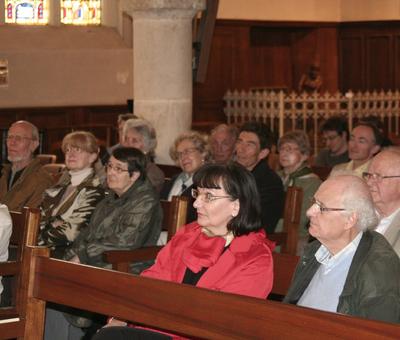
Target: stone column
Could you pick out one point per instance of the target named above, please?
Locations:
(162, 65)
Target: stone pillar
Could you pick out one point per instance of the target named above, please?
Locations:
(162, 65)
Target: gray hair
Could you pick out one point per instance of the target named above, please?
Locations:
(145, 129)
(297, 137)
(34, 129)
(357, 198)
(232, 130)
(199, 140)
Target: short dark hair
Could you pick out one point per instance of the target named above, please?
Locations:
(336, 123)
(135, 159)
(262, 131)
(239, 184)
(378, 136)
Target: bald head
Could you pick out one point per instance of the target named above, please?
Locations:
(385, 190)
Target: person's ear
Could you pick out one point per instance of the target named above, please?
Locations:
(351, 221)
(134, 176)
(235, 208)
(92, 157)
(33, 146)
(263, 154)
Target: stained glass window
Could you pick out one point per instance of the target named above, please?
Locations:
(81, 12)
(26, 11)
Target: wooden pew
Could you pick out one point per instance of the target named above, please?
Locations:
(288, 238)
(25, 227)
(180, 308)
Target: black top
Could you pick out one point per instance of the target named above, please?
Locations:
(272, 195)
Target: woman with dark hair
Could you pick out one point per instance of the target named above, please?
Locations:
(130, 215)
(225, 249)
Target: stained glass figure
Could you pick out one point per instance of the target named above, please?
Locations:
(81, 12)
(26, 12)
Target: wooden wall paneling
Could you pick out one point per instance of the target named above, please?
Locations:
(208, 97)
(397, 61)
(379, 62)
(352, 75)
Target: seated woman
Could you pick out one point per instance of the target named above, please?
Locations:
(67, 207)
(294, 151)
(189, 151)
(225, 249)
(128, 218)
(140, 134)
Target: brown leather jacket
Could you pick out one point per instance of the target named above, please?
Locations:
(28, 189)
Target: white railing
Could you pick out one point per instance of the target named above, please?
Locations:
(289, 111)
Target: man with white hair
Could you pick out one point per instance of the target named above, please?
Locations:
(383, 179)
(348, 269)
(23, 182)
(222, 143)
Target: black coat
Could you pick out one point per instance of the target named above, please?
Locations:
(272, 195)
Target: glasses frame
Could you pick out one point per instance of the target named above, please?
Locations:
(322, 208)
(376, 177)
(17, 138)
(207, 197)
(109, 166)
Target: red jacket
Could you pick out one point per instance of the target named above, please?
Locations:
(245, 268)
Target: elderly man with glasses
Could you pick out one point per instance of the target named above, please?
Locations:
(349, 269)
(23, 181)
(383, 179)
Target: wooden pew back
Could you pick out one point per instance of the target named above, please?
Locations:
(184, 309)
(288, 238)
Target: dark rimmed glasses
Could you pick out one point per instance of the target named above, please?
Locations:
(322, 208)
(207, 197)
(376, 177)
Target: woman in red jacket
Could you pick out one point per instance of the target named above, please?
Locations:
(225, 249)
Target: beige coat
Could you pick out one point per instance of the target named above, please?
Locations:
(28, 189)
(392, 233)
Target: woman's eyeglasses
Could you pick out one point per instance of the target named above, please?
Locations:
(116, 168)
(207, 197)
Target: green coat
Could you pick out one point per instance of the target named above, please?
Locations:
(130, 221)
(372, 286)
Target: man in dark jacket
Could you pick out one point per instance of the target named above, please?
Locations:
(348, 269)
(252, 148)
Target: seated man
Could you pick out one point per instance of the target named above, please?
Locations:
(334, 134)
(348, 269)
(383, 179)
(252, 148)
(222, 143)
(5, 234)
(23, 182)
(365, 142)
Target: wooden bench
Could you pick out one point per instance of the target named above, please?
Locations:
(288, 237)
(25, 226)
(177, 308)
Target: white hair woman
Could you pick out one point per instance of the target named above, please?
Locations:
(140, 134)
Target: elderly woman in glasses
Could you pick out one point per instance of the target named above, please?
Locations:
(68, 206)
(189, 151)
(225, 249)
(140, 134)
(294, 151)
(128, 218)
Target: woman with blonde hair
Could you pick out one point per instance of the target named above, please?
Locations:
(67, 207)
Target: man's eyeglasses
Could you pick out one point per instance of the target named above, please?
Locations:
(17, 138)
(322, 207)
(207, 197)
(376, 177)
(116, 168)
